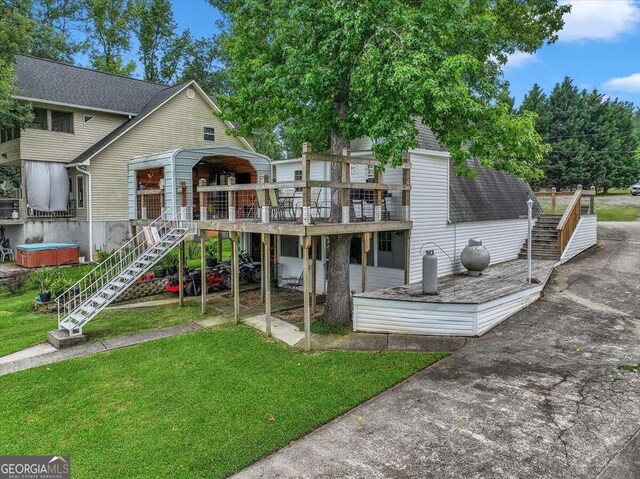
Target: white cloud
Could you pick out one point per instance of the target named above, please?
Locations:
(599, 19)
(518, 59)
(628, 84)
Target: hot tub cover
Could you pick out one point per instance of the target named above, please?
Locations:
(45, 246)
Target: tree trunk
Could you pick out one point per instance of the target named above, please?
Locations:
(338, 302)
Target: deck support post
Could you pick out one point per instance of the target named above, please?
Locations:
(364, 250)
(592, 200)
(181, 273)
(377, 208)
(406, 183)
(203, 272)
(266, 278)
(553, 200)
(203, 205)
(306, 190)
(314, 271)
(219, 252)
(235, 276)
(231, 199)
(305, 278)
(407, 256)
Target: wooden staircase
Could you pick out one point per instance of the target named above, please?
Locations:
(544, 236)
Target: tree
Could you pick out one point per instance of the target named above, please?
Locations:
(108, 25)
(329, 72)
(161, 50)
(204, 63)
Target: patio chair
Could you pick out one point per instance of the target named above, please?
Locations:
(287, 281)
(6, 251)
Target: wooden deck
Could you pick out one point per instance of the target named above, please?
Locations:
(497, 281)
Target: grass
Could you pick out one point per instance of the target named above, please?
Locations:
(194, 261)
(205, 404)
(603, 211)
(616, 192)
(629, 368)
(21, 326)
(322, 327)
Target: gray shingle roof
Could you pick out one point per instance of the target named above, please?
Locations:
(51, 81)
(491, 195)
(426, 139)
(151, 105)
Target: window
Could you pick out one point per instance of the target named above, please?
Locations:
(385, 241)
(297, 176)
(391, 249)
(88, 118)
(80, 191)
(39, 121)
(289, 246)
(209, 134)
(62, 121)
(9, 134)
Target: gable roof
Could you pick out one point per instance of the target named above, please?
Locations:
(426, 139)
(491, 195)
(60, 83)
(156, 101)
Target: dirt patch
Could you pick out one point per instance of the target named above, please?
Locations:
(296, 316)
(280, 298)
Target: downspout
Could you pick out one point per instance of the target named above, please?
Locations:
(89, 210)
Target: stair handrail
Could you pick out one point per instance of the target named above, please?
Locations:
(569, 221)
(108, 269)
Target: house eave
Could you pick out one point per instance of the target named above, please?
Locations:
(73, 105)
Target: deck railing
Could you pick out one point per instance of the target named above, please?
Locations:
(571, 217)
(149, 203)
(69, 213)
(10, 208)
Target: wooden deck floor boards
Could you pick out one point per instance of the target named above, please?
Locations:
(497, 281)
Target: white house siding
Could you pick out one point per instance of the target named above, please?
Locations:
(46, 145)
(374, 315)
(431, 229)
(494, 312)
(585, 236)
(178, 123)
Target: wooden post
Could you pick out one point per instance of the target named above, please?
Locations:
(203, 271)
(553, 200)
(219, 252)
(235, 276)
(366, 244)
(377, 209)
(407, 256)
(306, 190)
(305, 277)
(266, 275)
(406, 182)
(314, 271)
(203, 205)
(346, 192)
(181, 273)
(592, 200)
(143, 208)
(232, 199)
(262, 257)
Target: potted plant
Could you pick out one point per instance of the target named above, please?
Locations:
(60, 285)
(171, 262)
(211, 252)
(43, 277)
(160, 271)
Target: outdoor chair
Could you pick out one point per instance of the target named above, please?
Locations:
(6, 251)
(287, 281)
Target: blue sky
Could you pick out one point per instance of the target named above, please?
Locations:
(599, 47)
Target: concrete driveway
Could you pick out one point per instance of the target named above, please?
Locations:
(539, 396)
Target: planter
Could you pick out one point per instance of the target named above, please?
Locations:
(475, 257)
(160, 272)
(45, 296)
(211, 262)
(172, 270)
(147, 276)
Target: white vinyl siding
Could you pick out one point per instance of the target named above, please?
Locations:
(178, 123)
(584, 237)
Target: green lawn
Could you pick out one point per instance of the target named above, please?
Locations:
(205, 404)
(603, 211)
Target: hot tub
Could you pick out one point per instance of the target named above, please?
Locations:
(46, 254)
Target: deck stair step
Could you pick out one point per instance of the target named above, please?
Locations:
(544, 239)
(85, 299)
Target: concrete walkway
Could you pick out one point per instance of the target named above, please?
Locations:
(539, 396)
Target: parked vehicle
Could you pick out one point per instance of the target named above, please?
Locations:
(193, 282)
(635, 189)
(249, 270)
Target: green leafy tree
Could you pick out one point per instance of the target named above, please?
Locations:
(204, 63)
(330, 72)
(161, 50)
(109, 24)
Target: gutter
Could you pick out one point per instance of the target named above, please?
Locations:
(89, 210)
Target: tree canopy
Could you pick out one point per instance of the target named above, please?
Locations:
(594, 139)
